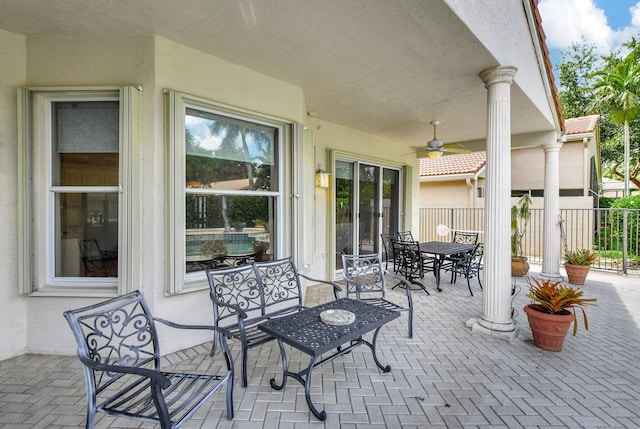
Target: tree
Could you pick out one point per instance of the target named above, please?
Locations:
(576, 93)
(578, 62)
(616, 90)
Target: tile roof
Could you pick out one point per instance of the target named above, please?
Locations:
(581, 125)
(467, 163)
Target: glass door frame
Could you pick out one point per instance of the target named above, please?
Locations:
(358, 160)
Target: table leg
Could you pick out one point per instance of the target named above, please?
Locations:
(436, 267)
(306, 382)
(384, 368)
(321, 415)
(285, 369)
(304, 376)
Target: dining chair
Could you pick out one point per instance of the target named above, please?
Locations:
(465, 237)
(366, 280)
(404, 236)
(462, 237)
(389, 255)
(97, 262)
(412, 263)
(468, 265)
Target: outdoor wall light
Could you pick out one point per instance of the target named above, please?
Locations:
(322, 179)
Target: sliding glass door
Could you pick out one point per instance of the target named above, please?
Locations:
(367, 204)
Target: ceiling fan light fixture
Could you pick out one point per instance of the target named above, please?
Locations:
(434, 154)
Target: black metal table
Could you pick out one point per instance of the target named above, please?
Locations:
(442, 249)
(307, 333)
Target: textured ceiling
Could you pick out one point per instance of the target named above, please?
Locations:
(385, 67)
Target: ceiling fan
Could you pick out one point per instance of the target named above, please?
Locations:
(436, 148)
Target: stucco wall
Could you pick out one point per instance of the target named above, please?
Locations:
(13, 308)
(66, 61)
(454, 194)
(574, 171)
(327, 136)
(527, 167)
(155, 64)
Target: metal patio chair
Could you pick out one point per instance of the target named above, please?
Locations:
(404, 236)
(389, 255)
(119, 349)
(412, 263)
(467, 265)
(366, 279)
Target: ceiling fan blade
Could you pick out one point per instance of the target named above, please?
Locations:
(427, 153)
(453, 145)
(456, 150)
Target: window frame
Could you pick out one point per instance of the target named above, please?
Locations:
(37, 206)
(176, 104)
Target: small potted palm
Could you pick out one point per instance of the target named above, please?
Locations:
(577, 265)
(520, 216)
(260, 249)
(552, 312)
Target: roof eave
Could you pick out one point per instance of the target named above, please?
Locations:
(453, 177)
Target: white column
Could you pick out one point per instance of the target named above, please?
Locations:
(551, 240)
(496, 296)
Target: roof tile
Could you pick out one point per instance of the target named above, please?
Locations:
(583, 124)
(467, 163)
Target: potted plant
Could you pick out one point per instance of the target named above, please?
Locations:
(520, 215)
(214, 248)
(577, 265)
(259, 250)
(552, 312)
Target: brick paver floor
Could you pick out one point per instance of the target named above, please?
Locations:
(443, 377)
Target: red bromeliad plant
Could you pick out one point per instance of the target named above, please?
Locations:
(556, 297)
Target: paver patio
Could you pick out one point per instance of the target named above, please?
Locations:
(443, 377)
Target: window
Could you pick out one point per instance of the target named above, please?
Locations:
(74, 146)
(225, 179)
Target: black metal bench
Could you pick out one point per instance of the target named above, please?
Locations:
(245, 296)
(118, 346)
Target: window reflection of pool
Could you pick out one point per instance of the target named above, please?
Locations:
(234, 243)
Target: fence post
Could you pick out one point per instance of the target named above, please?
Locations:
(625, 239)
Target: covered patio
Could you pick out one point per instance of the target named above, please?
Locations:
(444, 376)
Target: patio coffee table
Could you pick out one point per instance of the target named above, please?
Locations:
(306, 332)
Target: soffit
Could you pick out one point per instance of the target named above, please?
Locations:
(385, 67)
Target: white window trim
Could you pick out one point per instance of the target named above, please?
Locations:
(35, 267)
(177, 280)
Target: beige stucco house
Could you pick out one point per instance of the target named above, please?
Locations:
(128, 125)
(457, 181)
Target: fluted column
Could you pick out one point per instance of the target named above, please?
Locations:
(551, 239)
(496, 296)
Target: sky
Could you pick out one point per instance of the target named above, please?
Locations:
(606, 24)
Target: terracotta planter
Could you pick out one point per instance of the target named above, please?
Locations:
(519, 266)
(576, 274)
(549, 330)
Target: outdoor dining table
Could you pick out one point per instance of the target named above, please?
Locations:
(307, 332)
(442, 249)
